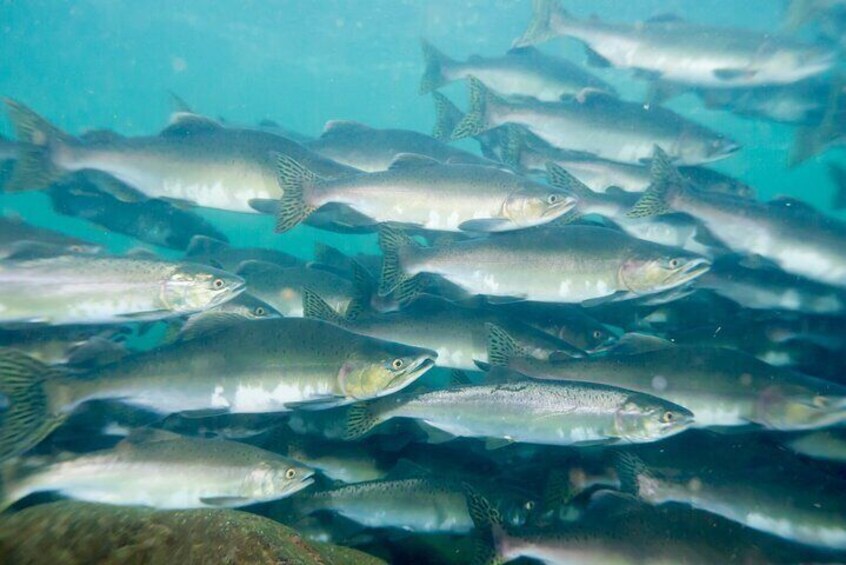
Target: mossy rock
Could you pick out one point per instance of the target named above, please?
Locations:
(70, 533)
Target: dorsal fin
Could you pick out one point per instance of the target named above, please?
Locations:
(178, 104)
(266, 123)
(183, 124)
(337, 127)
(411, 161)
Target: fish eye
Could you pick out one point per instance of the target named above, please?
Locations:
(674, 263)
(290, 474)
(668, 417)
(820, 401)
(597, 334)
(397, 364)
(552, 199)
(218, 284)
(260, 311)
(530, 505)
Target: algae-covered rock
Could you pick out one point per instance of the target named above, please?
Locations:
(70, 532)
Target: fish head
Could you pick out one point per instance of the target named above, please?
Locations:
(380, 368)
(277, 479)
(649, 273)
(192, 287)
(536, 205)
(797, 407)
(700, 145)
(518, 509)
(643, 418)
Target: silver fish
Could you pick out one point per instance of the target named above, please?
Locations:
(522, 72)
(530, 411)
(256, 366)
(789, 233)
(673, 50)
(421, 192)
(600, 126)
(194, 160)
(371, 149)
(572, 264)
(85, 289)
(165, 473)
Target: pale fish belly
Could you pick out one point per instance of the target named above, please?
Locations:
(255, 398)
(220, 193)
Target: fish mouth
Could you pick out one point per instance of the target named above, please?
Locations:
(411, 373)
(236, 287)
(693, 269)
(303, 483)
(564, 206)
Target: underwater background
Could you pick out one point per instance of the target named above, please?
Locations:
(103, 64)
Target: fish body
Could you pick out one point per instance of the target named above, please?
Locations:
(457, 334)
(807, 512)
(600, 126)
(532, 412)
(421, 192)
(85, 289)
(673, 50)
(283, 288)
(152, 221)
(789, 233)
(722, 387)
(271, 365)
(772, 289)
(168, 474)
(372, 149)
(19, 237)
(520, 73)
(418, 504)
(195, 160)
(572, 264)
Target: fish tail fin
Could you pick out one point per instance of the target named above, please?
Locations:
(515, 143)
(488, 536)
(295, 180)
(838, 174)
(545, 15)
(35, 167)
(447, 116)
(363, 290)
(394, 244)
(474, 121)
(501, 347)
(361, 418)
(629, 469)
(666, 180)
(812, 140)
(316, 308)
(26, 418)
(434, 61)
(560, 178)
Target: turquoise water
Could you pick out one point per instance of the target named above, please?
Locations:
(100, 64)
(103, 65)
